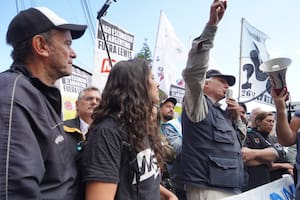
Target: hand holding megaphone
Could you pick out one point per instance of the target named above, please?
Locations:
(276, 69)
(279, 99)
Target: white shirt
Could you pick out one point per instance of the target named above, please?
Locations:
(83, 127)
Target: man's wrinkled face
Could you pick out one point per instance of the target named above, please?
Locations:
(61, 54)
(87, 103)
(216, 87)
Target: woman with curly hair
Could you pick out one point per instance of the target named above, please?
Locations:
(123, 153)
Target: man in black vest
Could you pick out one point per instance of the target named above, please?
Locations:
(211, 164)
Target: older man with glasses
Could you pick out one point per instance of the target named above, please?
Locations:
(88, 100)
(76, 128)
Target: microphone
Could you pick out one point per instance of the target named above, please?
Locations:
(104, 8)
(228, 94)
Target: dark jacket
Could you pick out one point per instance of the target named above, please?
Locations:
(72, 128)
(34, 158)
(211, 152)
(75, 137)
(259, 174)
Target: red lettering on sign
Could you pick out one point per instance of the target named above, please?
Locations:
(105, 68)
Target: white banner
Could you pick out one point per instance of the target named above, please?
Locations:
(120, 46)
(281, 189)
(170, 56)
(253, 81)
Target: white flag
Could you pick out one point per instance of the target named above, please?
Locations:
(253, 81)
(169, 56)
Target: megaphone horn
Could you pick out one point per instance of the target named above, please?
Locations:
(276, 69)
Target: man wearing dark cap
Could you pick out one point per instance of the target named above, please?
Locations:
(34, 157)
(211, 165)
(166, 109)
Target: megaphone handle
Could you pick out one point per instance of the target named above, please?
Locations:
(278, 91)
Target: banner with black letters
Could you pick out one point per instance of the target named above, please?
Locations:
(120, 46)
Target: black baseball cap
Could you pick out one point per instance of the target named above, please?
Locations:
(170, 99)
(215, 73)
(33, 21)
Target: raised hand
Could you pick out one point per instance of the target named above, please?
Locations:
(279, 100)
(217, 10)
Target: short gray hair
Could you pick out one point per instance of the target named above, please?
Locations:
(91, 88)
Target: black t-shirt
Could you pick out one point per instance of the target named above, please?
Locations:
(108, 158)
(258, 175)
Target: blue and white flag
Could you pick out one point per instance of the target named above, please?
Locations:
(280, 189)
(253, 82)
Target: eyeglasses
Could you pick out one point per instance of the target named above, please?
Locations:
(90, 98)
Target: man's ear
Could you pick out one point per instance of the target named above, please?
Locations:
(40, 46)
(206, 82)
(258, 123)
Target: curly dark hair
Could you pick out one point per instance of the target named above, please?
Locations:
(126, 98)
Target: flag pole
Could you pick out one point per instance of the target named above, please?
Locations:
(157, 32)
(240, 60)
(100, 14)
(162, 94)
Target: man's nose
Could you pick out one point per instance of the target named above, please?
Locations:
(96, 100)
(73, 54)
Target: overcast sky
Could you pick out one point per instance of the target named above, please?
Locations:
(278, 19)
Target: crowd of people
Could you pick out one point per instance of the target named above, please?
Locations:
(125, 142)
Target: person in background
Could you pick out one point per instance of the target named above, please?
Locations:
(88, 99)
(287, 132)
(244, 118)
(172, 130)
(243, 113)
(211, 165)
(281, 165)
(77, 128)
(259, 153)
(166, 109)
(253, 114)
(34, 157)
(292, 153)
(122, 157)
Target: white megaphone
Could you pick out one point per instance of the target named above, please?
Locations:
(276, 69)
